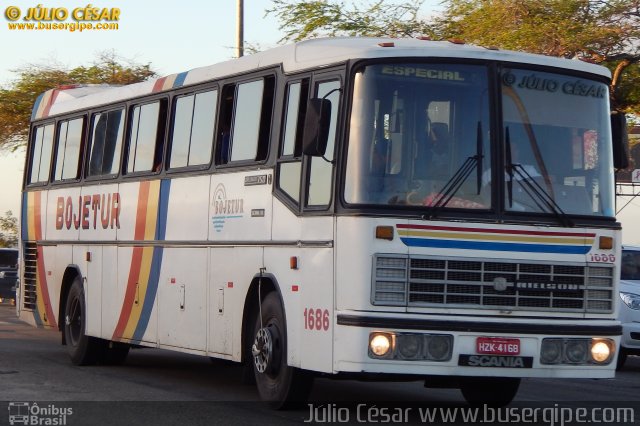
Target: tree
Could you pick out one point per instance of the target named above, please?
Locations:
(9, 230)
(605, 32)
(16, 100)
(302, 20)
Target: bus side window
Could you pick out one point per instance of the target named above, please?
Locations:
(245, 121)
(145, 137)
(290, 166)
(41, 154)
(69, 145)
(192, 136)
(320, 177)
(106, 142)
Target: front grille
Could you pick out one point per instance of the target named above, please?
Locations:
(29, 295)
(419, 281)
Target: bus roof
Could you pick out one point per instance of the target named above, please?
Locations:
(294, 57)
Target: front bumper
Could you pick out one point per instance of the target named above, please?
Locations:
(353, 331)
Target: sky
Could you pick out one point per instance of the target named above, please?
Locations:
(171, 36)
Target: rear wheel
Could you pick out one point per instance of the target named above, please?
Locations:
(493, 391)
(278, 384)
(83, 349)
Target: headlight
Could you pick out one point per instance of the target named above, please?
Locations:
(576, 351)
(380, 344)
(551, 351)
(2, 273)
(601, 351)
(632, 300)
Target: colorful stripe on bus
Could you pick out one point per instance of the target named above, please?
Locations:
(144, 273)
(32, 217)
(43, 104)
(169, 82)
(455, 237)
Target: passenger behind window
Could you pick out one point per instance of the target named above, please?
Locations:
(439, 141)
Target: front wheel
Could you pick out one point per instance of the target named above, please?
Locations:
(83, 349)
(278, 384)
(493, 391)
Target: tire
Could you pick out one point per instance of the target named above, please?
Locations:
(622, 358)
(493, 391)
(83, 349)
(278, 384)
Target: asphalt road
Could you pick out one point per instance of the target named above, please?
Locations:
(161, 387)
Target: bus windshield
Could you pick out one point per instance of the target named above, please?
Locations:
(420, 135)
(557, 140)
(415, 130)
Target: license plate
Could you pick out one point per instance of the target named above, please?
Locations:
(497, 346)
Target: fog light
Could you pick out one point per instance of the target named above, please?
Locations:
(601, 351)
(575, 351)
(551, 351)
(439, 348)
(408, 346)
(380, 344)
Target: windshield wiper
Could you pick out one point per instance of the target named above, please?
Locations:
(531, 187)
(459, 177)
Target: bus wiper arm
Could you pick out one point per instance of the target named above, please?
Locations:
(459, 177)
(537, 193)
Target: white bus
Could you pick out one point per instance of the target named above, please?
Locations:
(349, 206)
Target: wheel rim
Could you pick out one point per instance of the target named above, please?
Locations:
(73, 320)
(265, 350)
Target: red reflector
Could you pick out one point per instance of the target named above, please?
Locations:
(294, 288)
(456, 41)
(230, 284)
(387, 44)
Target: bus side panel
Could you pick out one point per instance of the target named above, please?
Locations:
(47, 288)
(63, 215)
(307, 291)
(135, 305)
(182, 296)
(93, 288)
(309, 306)
(240, 207)
(112, 287)
(138, 266)
(100, 213)
(187, 210)
(232, 270)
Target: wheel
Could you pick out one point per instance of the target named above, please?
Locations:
(493, 391)
(83, 349)
(278, 384)
(622, 357)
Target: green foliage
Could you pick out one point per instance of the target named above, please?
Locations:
(606, 32)
(603, 31)
(302, 20)
(8, 230)
(17, 99)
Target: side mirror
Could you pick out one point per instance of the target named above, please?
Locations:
(620, 140)
(316, 127)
